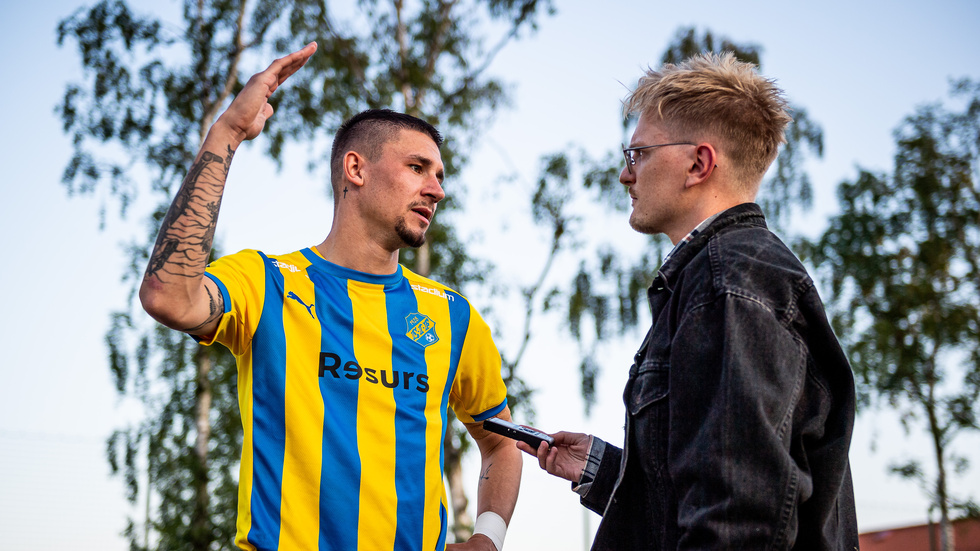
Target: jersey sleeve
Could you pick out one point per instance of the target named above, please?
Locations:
(478, 391)
(240, 277)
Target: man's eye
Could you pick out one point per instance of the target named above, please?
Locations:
(417, 168)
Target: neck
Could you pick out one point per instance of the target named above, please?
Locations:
(700, 214)
(353, 247)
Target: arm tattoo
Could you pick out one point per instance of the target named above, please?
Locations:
(187, 232)
(217, 309)
(485, 475)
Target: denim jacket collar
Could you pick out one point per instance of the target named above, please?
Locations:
(749, 213)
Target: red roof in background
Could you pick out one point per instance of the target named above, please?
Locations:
(916, 538)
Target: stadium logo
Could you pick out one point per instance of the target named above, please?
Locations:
(431, 291)
(284, 266)
(421, 329)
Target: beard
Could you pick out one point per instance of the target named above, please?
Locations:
(412, 239)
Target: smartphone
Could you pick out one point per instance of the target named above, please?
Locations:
(532, 437)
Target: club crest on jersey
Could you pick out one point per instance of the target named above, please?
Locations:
(421, 329)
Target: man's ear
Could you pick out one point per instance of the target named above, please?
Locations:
(704, 162)
(354, 165)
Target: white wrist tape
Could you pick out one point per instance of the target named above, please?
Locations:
(491, 525)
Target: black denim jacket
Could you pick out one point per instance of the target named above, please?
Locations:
(739, 407)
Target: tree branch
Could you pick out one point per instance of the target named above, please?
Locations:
(533, 291)
(211, 109)
(401, 35)
(438, 41)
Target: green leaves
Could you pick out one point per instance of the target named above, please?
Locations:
(688, 43)
(903, 262)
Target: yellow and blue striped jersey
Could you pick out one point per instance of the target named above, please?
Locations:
(344, 380)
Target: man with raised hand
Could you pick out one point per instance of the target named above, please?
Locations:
(347, 361)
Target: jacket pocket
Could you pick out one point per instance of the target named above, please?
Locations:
(650, 385)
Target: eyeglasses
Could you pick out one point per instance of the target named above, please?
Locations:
(631, 159)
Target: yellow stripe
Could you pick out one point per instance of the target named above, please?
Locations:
(245, 470)
(378, 508)
(300, 521)
(437, 364)
(242, 345)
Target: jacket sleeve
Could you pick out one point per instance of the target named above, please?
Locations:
(736, 375)
(598, 494)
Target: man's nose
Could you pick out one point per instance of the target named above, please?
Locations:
(434, 190)
(626, 177)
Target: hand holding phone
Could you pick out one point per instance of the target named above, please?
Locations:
(531, 436)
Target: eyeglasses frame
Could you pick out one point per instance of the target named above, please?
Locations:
(627, 152)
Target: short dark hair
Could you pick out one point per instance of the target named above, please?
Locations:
(368, 131)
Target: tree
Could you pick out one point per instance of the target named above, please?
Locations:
(903, 263)
(605, 296)
(152, 90)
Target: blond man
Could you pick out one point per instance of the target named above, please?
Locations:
(740, 401)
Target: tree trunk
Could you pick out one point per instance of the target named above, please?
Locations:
(946, 542)
(201, 522)
(424, 260)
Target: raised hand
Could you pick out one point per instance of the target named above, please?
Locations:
(174, 290)
(245, 117)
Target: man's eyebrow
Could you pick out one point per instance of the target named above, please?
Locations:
(426, 164)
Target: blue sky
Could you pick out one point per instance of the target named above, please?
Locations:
(857, 67)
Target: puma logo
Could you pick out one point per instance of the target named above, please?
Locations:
(309, 308)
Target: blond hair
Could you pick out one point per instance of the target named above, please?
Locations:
(717, 96)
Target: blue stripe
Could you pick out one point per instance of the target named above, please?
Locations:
(490, 412)
(408, 358)
(268, 414)
(340, 472)
(441, 544)
(459, 314)
(459, 322)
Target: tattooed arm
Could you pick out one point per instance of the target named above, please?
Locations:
(174, 289)
(500, 478)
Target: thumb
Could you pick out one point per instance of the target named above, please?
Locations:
(259, 123)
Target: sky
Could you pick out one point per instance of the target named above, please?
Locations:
(857, 67)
